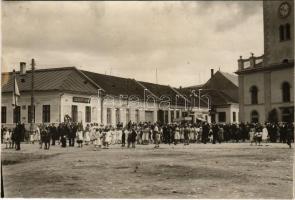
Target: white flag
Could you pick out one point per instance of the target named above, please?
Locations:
(15, 93)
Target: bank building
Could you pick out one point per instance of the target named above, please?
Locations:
(266, 82)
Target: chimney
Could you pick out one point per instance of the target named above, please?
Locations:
(212, 72)
(241, 63)
(22, 68)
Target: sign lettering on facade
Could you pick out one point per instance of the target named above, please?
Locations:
(81, 100)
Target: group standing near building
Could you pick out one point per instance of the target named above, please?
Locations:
(67, 134)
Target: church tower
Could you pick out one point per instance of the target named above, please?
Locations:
(266, 83)
(278, 17)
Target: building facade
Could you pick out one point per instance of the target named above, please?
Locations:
(90, 97)
(266, 82)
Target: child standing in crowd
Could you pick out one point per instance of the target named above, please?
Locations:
(252, 135)
(87, 135)
(79, 136)
(7, 138)
(258, 135)
(96, 139)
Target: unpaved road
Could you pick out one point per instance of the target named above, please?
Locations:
(194, 171)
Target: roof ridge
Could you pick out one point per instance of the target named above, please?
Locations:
(44, 69)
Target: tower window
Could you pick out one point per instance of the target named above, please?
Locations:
(288, 34)
(286, 92)
(254, 94)
(282, 33)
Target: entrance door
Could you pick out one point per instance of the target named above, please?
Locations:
(161, 116)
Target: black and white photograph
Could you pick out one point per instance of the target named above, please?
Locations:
(147, 99)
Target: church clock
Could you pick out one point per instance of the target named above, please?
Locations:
(284, 9)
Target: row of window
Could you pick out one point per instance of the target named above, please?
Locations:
(87, 113)
(45, 114)
(17, 114)
(118, 114)
(286, 116)
(286, 90)
(285, 32)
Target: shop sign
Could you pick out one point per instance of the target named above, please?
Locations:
(81, 100)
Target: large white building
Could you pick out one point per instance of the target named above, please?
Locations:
(266, 83)
(90, 97)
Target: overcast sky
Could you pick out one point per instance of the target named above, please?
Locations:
(183, 40)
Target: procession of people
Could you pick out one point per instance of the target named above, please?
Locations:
(144, 133)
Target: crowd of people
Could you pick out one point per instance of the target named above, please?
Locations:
(100, 136)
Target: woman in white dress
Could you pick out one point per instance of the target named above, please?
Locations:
(252, 135)
(177, 135)
(108, 138)
(87, 135)
(264, 134)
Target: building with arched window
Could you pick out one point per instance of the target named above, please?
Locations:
(266, 83)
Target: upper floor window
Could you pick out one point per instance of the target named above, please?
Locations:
(286, 92)
(285, 32)
(254, 95)
(288, 32)
(282, 33)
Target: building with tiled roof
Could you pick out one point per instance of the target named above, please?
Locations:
(90, 97)
(222, 92)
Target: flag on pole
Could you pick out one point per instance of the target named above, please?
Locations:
(15, 93)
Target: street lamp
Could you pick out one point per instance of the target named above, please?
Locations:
(144, 97)
(200, 98)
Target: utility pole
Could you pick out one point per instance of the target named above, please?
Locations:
(32, 111)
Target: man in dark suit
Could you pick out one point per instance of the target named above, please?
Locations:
(18, 131)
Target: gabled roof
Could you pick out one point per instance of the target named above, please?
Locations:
(116, 86)
(67, 79)
(232, 77)
(222, 87)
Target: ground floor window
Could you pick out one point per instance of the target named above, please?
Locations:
(177, 114)
(117, 115)
(109, 116)
(172, 115)
(287, 115)
(16, 114)
(221, 117)
(254, 116)
(3, 114)
(30, 117)
(127, 115)
(184, 114)
(87, 114)
(234, 117)
(74, 113)
(46, 114)
(166, 116)
(137, 116)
